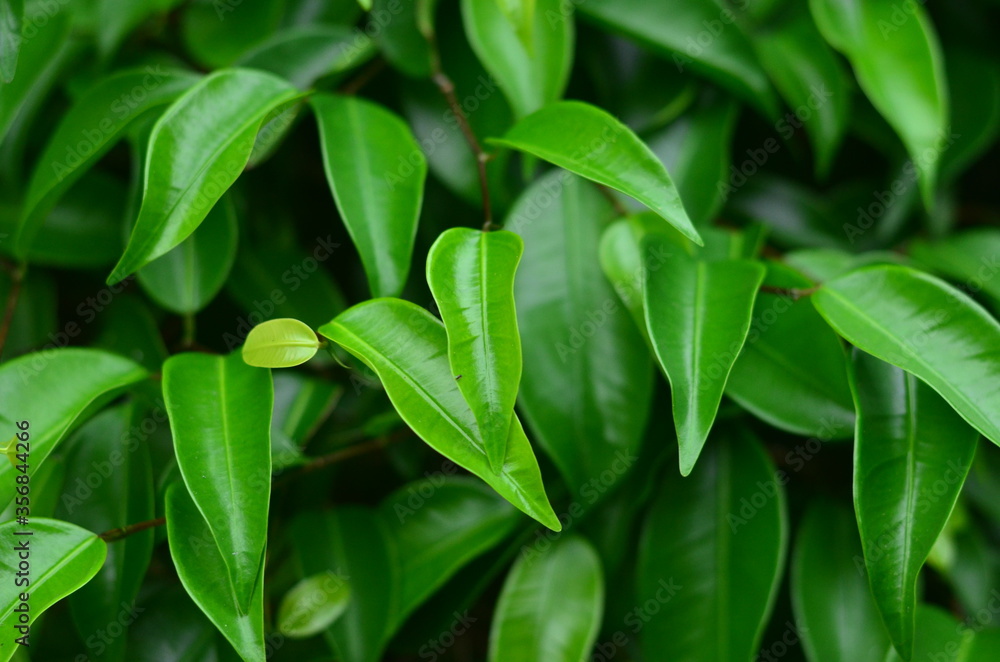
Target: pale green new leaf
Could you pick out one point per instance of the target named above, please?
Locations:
(697, 315)
(280, 343)
(63, 557)
(926, 327)
(220, 417)
(376, 171)
(11, 16)
(911, 455)
(198, 148)
(312, 605)
(551, 605)
(407, 348)
(589, 142)
(471, 275)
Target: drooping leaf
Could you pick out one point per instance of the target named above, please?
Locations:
(407, 348)
(898, 64)
(437, 535)
(471, 275)
(587, 378)
(220, 417)
(204, 571)
(93, 125)
(926, 327)
(53, 391)
(11, 15)
(280, 343)
(351, 544)
(376, 171)
(531, 74)
(697, 314)
(679, 29)
(187, 277)
(834, 609)
(196, 151)
(63, 557)
(551, 605)
(711, 556)
(304, 54)
(108, 453)
(792, 371)
(911, 455)
(312, 605)
(589, 142)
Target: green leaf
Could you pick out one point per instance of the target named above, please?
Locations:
(898, 64)
(407, 348)
(834, 609)
(203, 570)
(172, 627)
(312, 605)
(698, 315)
(187, 277)
(911, 455)
(93, 125)
(792, 371)
(63, 557)
(196, 151)
(220, 417)
(622, 263)
(521, 14)
(940, 638)
(471, 275)
(591, 143)
(971, 257)
(117, 18)
(54, 391)
(394, 28)
(106, 452)
(530, 74)
(587, 380)
(304, 54)
(34, 314)
(711, 555)
(437, 535)
(11, 16)
(974, 98)
(550, 606)
(352, 544)
(216, 34)
(679, 30)
(377, 177)
(301, 404)
(280, 343)
(129, 329)
(926, 327)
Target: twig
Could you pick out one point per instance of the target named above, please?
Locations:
(373, 69)
(353, 451)
(118, 534)
(620, 208)
(16, 279)
(795, 294)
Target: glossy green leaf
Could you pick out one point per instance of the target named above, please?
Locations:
(471, 275)
(54, 391)
(220, 417)
(794, 215)
(679, 30)
(407, 348)
(531, 74)
(940, 638)
(399, 38)
(439, 535)
(587, 378)
(898, 64)
(301, 404)
(622, 262)
(11, 16)
(834, 609)
(926, 327)
(93, 125)
(698, 315)
(377, 177)
(550, 606)
(217, 34)
(312, 605)
(280, 343)
(47, 486)
(107, 453)
(204, 571)
(589, 142)
(792, 371)
(196, 151)
(304, 54)
(186, 278)
(62, 558)
(351, 544)
(521, 14)
(971, 257)
(911, 455)
(711, 556)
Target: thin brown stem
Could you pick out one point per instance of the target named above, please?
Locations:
(620, 208)
(16, 279)
(118, 534)
(795, 294)
(353, 451)
(373, 69)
